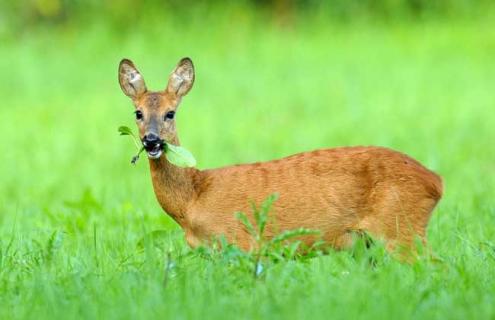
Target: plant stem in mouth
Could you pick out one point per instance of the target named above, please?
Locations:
(136, 157)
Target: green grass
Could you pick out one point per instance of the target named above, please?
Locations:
(74, 212)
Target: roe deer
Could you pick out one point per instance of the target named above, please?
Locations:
(337, 191)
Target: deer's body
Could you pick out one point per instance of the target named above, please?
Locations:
(336, 191)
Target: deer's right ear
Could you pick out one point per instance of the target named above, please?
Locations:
(131, 81)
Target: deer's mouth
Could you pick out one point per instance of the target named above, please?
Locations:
(154, 150)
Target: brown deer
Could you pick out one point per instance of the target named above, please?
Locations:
(339, 191)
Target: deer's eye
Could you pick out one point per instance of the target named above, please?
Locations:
(139, 115)
(170, 115)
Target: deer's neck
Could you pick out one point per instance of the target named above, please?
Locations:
(174, 186)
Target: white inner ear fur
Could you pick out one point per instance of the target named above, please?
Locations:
(177, 81)
(134, 78)
(135, 82)
(134, 75)
(185, 73)
(180, 79)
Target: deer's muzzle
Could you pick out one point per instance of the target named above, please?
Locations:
(153, 145)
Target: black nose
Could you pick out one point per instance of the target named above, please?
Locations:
(151, 139)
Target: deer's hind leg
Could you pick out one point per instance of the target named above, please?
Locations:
(400, 217)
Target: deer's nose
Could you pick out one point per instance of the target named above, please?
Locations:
(150, 139)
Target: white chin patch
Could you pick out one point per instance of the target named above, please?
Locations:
(155, 154)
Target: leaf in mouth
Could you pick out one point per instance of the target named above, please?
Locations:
(126, 131)
(179, 156)
(176, 155)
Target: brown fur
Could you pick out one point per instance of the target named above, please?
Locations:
(337, 191)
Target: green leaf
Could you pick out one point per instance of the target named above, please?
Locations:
(176, 155)
(125, 131)
(290, 234)
(179, 156)
(262, 214)
(245, 221)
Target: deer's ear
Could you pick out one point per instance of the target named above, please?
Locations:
(182, 78)
(131, 81)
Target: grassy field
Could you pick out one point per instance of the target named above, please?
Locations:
(75, 215)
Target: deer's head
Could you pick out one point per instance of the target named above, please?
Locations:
(155, 110)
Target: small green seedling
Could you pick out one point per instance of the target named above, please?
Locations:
(176, 155)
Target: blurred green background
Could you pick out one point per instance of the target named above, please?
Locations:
(273, 78)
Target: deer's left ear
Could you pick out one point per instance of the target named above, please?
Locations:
(182, 78)
(131, 81)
